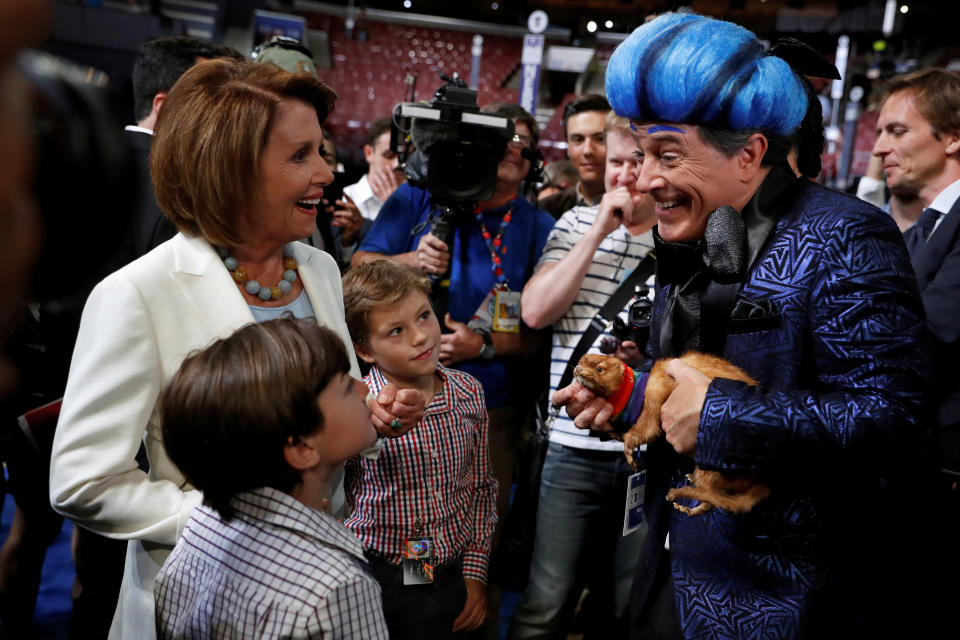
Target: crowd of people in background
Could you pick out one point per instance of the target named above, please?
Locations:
(293, 407)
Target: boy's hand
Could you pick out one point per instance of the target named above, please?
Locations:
(405, 405)
(474, 609)
(462, 344)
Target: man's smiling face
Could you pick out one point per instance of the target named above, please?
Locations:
(687, 177)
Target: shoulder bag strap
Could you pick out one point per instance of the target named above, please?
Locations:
(607, 313)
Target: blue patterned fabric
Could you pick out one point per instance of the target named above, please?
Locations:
(838, 426)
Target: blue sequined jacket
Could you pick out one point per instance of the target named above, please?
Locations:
(838, 426)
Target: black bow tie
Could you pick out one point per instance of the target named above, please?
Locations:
(720, 255)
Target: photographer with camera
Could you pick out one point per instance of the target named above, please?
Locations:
(594, 254)
(490, 251)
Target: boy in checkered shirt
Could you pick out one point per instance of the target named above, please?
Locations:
(261, 422)
(425, 510)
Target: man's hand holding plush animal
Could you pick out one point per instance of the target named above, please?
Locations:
(680, 414)
(587, 409)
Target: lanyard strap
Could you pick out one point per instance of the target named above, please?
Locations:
(495, 245)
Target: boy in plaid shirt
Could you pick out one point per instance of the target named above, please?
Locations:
(425, 510)
(260, 422)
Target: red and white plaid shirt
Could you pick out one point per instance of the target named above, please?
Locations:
(438, 472)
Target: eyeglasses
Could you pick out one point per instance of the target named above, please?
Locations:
(520, 141)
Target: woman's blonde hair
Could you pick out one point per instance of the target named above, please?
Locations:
(209, 138)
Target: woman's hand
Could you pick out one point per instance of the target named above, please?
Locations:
(474, 609)
(587, 410)
(462, 344)
(405, 405)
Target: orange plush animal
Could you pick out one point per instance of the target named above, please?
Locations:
(609, 377)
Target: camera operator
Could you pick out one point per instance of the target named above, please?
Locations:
(516, 230)
(587, 259)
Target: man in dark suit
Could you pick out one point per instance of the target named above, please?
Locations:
(919, 143)
(809, 291)
(160, 63)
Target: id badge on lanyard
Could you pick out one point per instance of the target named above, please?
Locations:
(500, 309)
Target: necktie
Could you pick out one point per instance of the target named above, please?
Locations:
(926, 221)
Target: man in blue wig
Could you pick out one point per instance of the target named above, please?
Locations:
(811, 292)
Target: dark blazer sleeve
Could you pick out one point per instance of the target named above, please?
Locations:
(937, 264)
(869, 377)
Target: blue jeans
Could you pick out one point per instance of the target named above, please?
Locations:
(579, 543)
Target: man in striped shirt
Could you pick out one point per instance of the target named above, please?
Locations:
(425, 510)
(590, 251)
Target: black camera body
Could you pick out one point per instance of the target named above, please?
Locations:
(456, 150)
(637, 327)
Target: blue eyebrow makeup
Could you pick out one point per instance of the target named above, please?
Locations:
(658, 128)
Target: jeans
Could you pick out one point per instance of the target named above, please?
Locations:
(579, 542)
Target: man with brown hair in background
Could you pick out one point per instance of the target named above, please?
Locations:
(583, 123)
(918, 141)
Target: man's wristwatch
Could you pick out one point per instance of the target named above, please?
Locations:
(486, 351)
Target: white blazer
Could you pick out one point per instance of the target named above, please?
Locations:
(138, 325)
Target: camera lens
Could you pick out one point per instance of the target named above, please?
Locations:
(463, 170)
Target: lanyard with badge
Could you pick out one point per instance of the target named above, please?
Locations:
(500, 309)
(419, 555)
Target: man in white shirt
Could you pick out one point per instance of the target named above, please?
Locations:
(918, 140)
(383, 176)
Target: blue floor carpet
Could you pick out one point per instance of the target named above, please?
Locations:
(52, 613)
(53, 602)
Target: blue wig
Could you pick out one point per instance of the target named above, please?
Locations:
(692, 69)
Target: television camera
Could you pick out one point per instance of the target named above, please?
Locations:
(455, 151)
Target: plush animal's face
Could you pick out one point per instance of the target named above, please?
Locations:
(601, 374)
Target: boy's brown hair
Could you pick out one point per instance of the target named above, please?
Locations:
(376, 284)
(230, 409)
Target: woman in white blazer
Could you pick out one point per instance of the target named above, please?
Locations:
(238, 166)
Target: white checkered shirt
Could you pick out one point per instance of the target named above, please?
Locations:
(279, 569)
